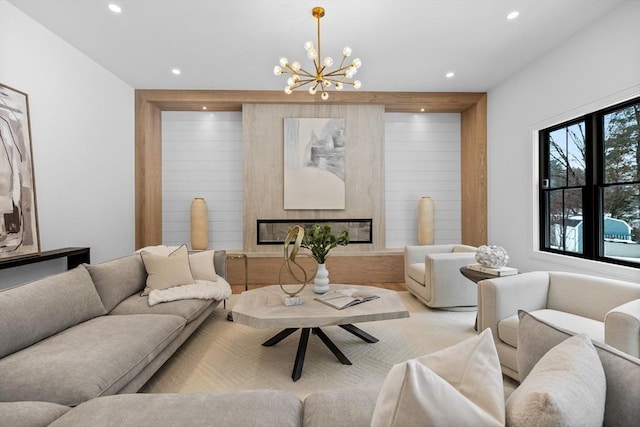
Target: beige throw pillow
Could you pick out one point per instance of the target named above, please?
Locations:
(459, 386)
(167, 271)
(567, 387)
(202, 267)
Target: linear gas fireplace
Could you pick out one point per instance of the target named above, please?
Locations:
(274, 231)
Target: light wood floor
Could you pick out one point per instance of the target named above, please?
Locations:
(238, 289)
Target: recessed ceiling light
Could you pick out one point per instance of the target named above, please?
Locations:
(422, 110)
(115, 8)
(513, 15)
(204, 108)
(450, 74)
(176, 71)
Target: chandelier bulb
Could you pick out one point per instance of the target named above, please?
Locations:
(328, 61)
(312, 54)
(348, 73)
(357, 84)
(346, 52)
(308, 46)
(312, 90)
(339, 86)
(296, 66)
(326, 83)
(324, 96)
(288, 90)
(277, 70)
(284, 62)
(290, 81)
(356, 63)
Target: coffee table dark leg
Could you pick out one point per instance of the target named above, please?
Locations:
(279, 337)
(359, 333)
(334, 348)
(302, 350)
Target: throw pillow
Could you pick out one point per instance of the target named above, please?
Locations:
(461, 385)
(567, 387)
(202, 266)
(167, 271)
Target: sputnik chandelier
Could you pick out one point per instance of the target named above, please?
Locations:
(321, 79)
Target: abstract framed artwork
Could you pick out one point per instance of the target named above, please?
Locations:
(314, 163)
(18, 214)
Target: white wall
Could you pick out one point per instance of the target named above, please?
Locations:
(422, 158)
(82, 128)
(202, 157)
(597, 67)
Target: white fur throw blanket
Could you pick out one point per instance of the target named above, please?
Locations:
(201, 289)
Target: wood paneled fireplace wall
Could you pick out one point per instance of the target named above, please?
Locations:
(270, 107)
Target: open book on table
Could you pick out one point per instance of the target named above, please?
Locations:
(343, 298)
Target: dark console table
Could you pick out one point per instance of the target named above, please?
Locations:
(75, 257)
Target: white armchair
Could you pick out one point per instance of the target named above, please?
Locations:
(432, 274)
(607, 310)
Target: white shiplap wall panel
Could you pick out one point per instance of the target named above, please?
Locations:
(422, 158)
(202, 157)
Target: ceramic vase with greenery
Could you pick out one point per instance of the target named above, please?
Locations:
(320, 240)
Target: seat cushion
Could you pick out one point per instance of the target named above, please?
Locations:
(353, 408)
(508, 328)
(417, 272)
(244, 408)
(188, 309)
(37, 310)
(30, 414)
(94, 358)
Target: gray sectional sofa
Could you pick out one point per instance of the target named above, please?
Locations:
(75, 347)
(87, 333)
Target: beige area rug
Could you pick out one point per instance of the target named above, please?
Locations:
(225, 356)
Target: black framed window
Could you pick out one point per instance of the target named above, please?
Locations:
(589, 194)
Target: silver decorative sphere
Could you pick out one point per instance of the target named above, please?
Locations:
(492, 256)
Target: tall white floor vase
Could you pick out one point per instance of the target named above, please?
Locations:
(199, 224)
(426, 227)
(321, 281)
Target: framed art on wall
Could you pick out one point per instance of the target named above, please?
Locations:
(314, 163)
(18, 214)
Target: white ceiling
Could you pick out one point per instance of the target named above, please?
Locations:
(404, 45)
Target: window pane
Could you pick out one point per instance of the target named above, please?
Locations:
(576, 154)
(556, 220)
(622, 145)
(565, 220)
(573, 239)
(557, 158)
(621, 205)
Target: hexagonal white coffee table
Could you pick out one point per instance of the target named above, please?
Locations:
(263, 308)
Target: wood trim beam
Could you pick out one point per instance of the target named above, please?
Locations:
(148, 140)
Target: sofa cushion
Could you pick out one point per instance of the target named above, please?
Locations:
(508, 328)
(461, 384)
(567, 387)
(260, 408)
(352, 408)
(37, 310)
(202, 266)
(621, 370)
(95, 358)
(30, 414)
(164, 272)
(417, 272)
(188, 309)
(115, 280)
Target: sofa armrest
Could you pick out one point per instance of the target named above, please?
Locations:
(502, 297)
(220, 262)
(622, 328)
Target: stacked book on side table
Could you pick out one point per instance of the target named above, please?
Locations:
(502, 271)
